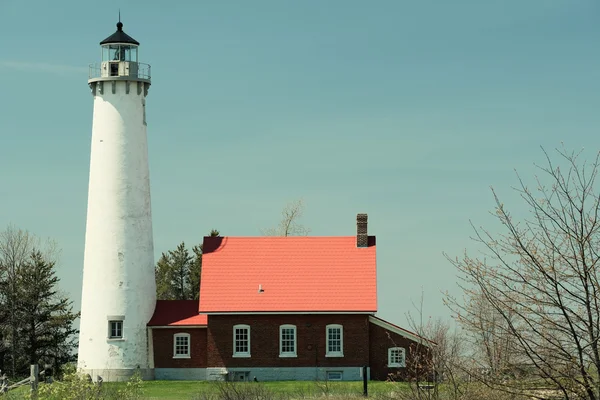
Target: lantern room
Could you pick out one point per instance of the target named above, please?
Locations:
(119, 58)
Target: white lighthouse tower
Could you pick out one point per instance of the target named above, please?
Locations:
(119, 290)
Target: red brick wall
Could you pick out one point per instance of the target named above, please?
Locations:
(264, 340)
(380, 341)
(162, 340)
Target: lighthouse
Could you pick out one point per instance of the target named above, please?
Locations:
(119, 289)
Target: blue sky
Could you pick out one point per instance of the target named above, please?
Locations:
(408, 111)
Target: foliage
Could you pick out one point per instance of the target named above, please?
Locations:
(177, 273)
(293, 390)
(531, 309)
(289, 226)
(36, 320)
(75, 386)
(47, 318)
(237, 391)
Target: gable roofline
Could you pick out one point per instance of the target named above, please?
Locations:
(212, 244)
(177, 326)
(401, 331)
(287, 312)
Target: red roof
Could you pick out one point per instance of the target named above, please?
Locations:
(177, 313)
(296, 274)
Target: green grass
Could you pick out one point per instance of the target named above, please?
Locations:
(187, 390)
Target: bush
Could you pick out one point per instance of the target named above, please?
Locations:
(238, 391)
(74, 386)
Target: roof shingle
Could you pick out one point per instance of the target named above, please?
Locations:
(296, 274)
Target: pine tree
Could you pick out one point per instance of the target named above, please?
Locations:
(36, 322)
(181, 262)
(46, 332)
(196, 268)
(177, 273)
(163, 274)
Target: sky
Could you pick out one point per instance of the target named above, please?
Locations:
(408, 111)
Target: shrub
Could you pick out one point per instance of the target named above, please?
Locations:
(74, 386)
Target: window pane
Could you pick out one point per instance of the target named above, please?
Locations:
(113, 53)
(182, 345)
(334, 340)
(241, 340)
(288, 339)
(116, 329)
(396, 356)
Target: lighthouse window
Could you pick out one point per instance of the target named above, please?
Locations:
(113, 53)
(115, 329)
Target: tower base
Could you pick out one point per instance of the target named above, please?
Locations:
(118, 375)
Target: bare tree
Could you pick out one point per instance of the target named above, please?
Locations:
(289, 226)
(538, 284)
(437, 359)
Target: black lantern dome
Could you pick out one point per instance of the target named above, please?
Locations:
(120, 37)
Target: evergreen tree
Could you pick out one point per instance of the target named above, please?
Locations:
(181, 263)
(46, 331)
(36, 322)
(16, 250)
(162, 274)
(172, 274)
(177, 273)
(196, 268)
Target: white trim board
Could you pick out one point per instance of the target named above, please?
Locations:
(178, 326)
(393, 328)
(288, 313)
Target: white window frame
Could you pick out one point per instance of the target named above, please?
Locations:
(110, 326)
(394, 364)
(241, 354)
(334, 353)
(189, 345)
(293, 353)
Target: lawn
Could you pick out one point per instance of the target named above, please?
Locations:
(188, 390)
(203, 390)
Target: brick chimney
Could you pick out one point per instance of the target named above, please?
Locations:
(362, 238)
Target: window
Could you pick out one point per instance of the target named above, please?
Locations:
(115, 329)
(396, 357)
(287, 341)
(335, 341)
(334, 375)
(181, 345)
(241, 341)
(114, 69)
